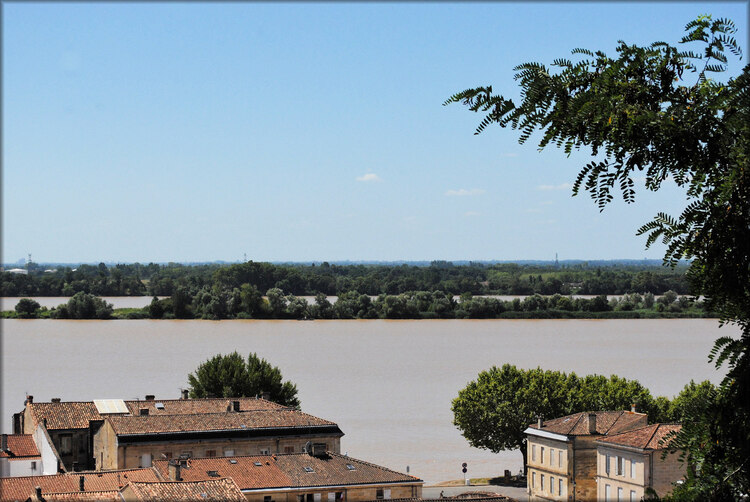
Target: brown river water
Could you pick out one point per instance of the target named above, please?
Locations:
(388, 384)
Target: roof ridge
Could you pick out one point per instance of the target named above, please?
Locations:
(612, 425)
(371, 464)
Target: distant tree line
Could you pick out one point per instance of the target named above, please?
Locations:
(372, 280)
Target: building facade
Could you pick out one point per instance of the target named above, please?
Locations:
(561, 453)
(630, 463)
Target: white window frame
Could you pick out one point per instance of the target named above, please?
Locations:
(533, 452)
(632, 469)
(541, 455)
(559, 486)
(559, 458)
(551, 456)
(552, 485)
(606, 464)
(541, 482)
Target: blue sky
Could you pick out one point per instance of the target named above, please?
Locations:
(300, 131)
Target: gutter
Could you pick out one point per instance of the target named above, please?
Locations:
(320, 487)
(545, 434)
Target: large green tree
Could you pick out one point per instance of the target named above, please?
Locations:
(493, 411)
(231, 376)
(657, 111)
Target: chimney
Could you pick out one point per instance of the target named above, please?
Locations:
(632, 408)
(29, 399)
(150, 397)
(592, 423)
(539, 422)
(174, 470)
(265, 395)
(235, 406)
(185, 394)
(82, 483)
(55, 399)
(4, 445)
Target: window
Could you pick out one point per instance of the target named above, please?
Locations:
(379, 494)
(265, 451)
(559, 458)
(533, 479)
(632, 469)
(541, 455)
(316, 497)
(620, 466)
(551, 456)
(66, 444)
(552, 485)
(33, 465)
(632, 496)
(309, 469)
(541, 484)
(533, 452)
(351, 467)
(229, 453)
(619, 495)
(300, 498)
(310, 497)
(559, 487)
(331, 497)
(289, 449)
(387, 494)
(266, 498)
(606, 465)
(339, 496)
(210, 453)
(607, 495)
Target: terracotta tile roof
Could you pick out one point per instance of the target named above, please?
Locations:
(645, 438)
(288, 471)
(199, 406)
(244, 472)
(20, 446)
(19, 488)
(607, 422)
(214, 489)
(68, 415)
(108, 495)
(77, 414)
(260, 419)
(332, 469)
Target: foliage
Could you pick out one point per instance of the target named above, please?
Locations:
(27, 308)
(493, 411)
(231, 376)
(638, 116)
(84, 306)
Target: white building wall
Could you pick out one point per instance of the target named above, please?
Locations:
(48, 453)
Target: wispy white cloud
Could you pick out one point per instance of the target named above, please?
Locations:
(462, 192)
(561, 186)
(471, 214)
(369, 177)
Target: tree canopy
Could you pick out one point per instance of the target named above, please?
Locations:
(493, 411)
(232, 376)
(657, 111)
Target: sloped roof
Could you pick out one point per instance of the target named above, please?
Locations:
(212, 490)
(645, 438)
(607, 422)
(19, 488)
(106, 496)
(288, 471)
(77, 414)
(20, 446)
(259, 419)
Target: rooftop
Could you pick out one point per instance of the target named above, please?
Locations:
(288, 471)
(20, 446)
(77, 414)
(651, 437)
(208, 422)
(20, 488)
(213, 490)
(607, 422)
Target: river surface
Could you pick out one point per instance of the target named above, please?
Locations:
(388, 384)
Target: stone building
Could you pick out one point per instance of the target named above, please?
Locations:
(631, 462)
(19, 456)
(562, 452)
(72, 426)
(135, 441)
